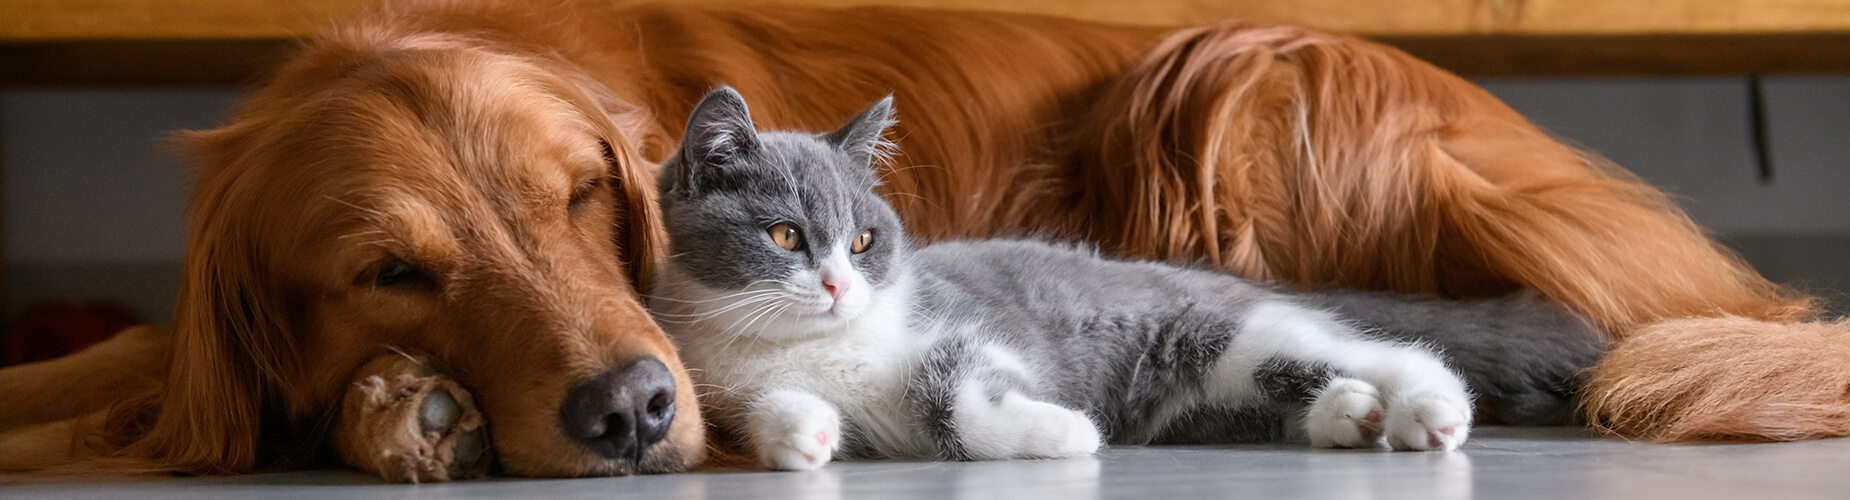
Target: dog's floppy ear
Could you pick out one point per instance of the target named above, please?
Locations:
(719, 131)
(640, 235)
(638, 220)
(230, 332)
(864, 137)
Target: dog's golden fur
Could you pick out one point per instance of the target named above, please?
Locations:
(451, 133)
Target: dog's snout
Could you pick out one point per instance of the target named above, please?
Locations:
(620, 413)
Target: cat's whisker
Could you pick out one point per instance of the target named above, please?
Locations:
(697, 315)
(715, 299)
(779, 314)
(886, 172)
(732, 332)
(690, 319)
(920, 198)
(708, 312)
(730, 298)
(733, 328)
(792, 181)
(779, 281)
(732, 336)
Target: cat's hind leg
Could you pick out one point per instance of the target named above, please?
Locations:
(1424, 405)
(1013, 426)
(1346, 413)
(978, 404)
(1429, 421)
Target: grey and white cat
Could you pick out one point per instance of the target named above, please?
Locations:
(817, 331)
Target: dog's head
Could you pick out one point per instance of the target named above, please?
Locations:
(430, 194)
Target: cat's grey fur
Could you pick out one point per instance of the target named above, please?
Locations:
(973, 349)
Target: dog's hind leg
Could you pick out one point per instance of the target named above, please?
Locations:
(406, 422)
(128, 365)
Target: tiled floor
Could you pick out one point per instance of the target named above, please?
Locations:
(1554, 464)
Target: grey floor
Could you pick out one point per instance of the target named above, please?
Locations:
(1497, 463)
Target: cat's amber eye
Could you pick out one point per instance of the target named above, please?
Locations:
(786, 236)
(862, 242)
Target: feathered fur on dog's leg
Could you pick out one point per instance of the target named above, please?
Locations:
(1282, 153)
(134, 361)
(46, 406)
(37, 447)
(406, 422)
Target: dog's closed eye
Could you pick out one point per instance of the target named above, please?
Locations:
(396, 273)
(582, 194)
(584, 191)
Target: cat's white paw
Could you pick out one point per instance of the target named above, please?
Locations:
(793, 430)
(1064, 433)
(1347, 413)
(1429, 421)
(1018, 427)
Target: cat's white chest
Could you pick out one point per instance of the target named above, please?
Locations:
(861, 359)
(847, 369)
(861, 367)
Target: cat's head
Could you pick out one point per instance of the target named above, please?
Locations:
(785, 224)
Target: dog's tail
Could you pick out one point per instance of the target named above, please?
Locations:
(1287, 154)
(1726, 378)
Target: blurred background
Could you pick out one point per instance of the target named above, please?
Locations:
(1740, 109)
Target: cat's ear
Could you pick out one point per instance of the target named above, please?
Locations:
(863, 138)
(718, 132)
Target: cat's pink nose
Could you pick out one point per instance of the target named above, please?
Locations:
(835, 287)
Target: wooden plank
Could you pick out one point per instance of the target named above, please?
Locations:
(1643, 55)
(244, 62)
(51, 20)
(231, 42)
(156, 63)
(1447, 17)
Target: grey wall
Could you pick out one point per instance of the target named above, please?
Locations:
(1691, 137)
(94, 198)
(95, 194)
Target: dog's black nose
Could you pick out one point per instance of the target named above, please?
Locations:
(621, 412)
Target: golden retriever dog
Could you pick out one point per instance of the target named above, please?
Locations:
(451, 203)
(443, 195)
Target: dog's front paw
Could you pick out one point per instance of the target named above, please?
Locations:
(1429, 421)
(793, 430)
(1346, 414)
(407, 423)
